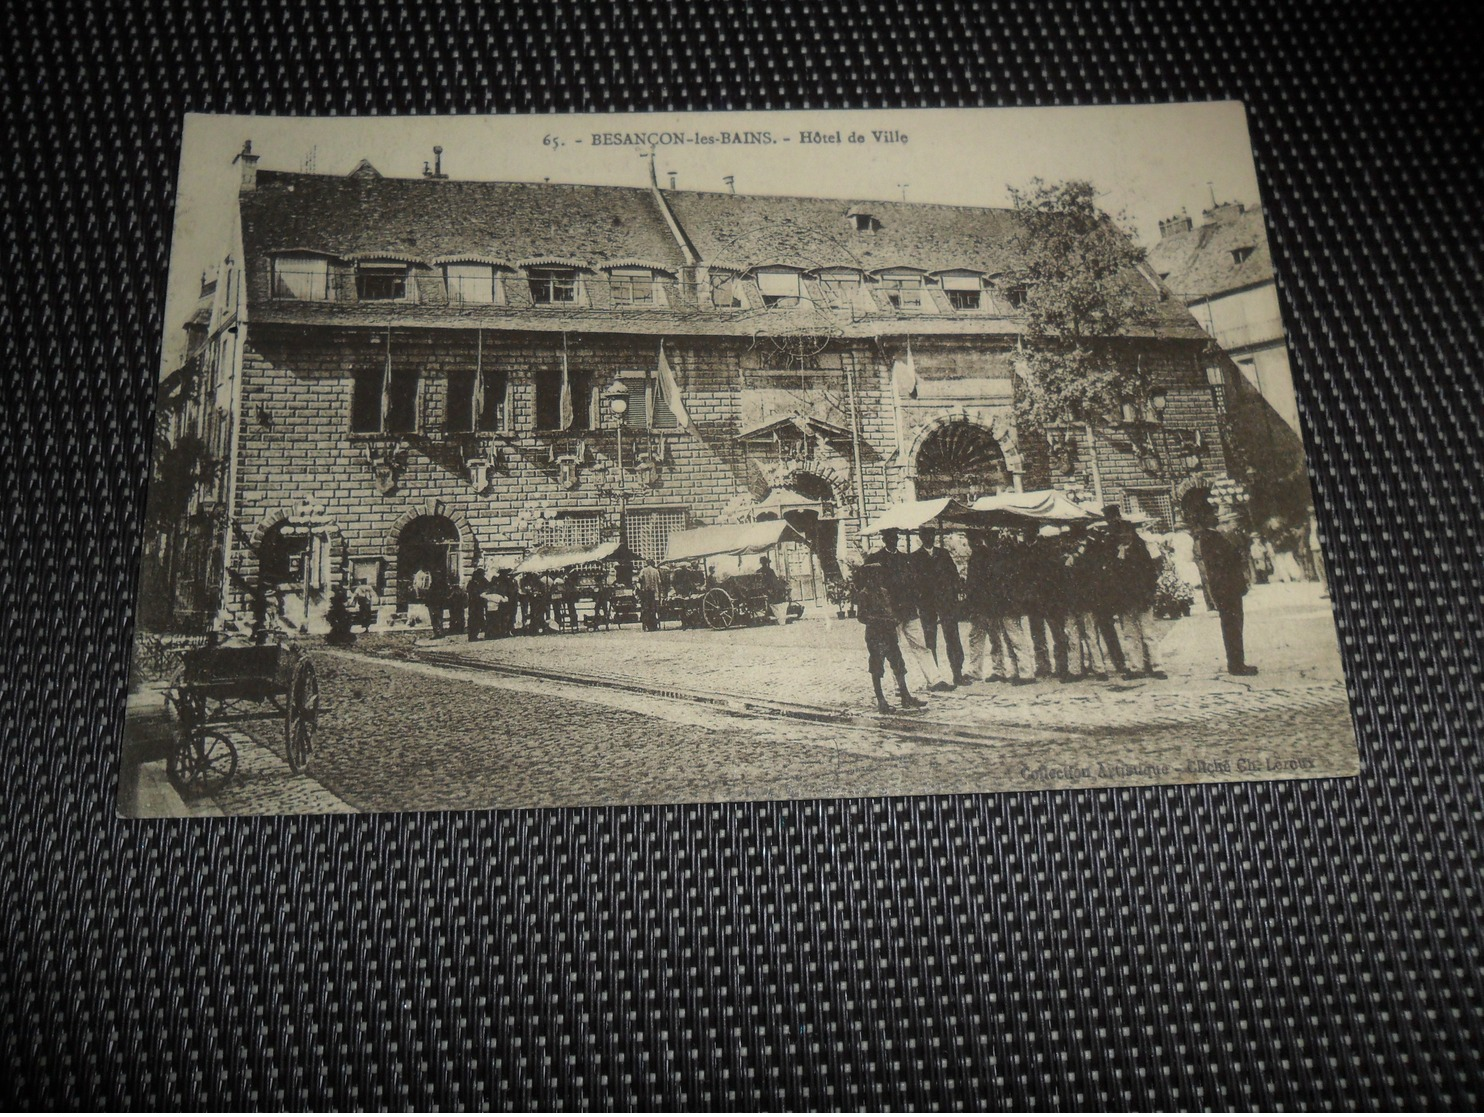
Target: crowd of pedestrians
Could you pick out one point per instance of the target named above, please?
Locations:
(1041, 603)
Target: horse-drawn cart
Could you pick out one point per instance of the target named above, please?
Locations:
(216, 687)
(726, 601)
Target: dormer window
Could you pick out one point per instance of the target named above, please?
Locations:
(903, 292)
(1015, 295)
(470, 284)
(964, 291)
(780, 288)
(381, 282)
(862, 220)
(1242, 254)
(633, 287)
(301, 276)
(553, 285)
(840, 288)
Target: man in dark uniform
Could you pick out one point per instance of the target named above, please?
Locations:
(906, 601)
(476, 589)
(1045, 606)
(936, 575)
(875, 609)
(1224, 572)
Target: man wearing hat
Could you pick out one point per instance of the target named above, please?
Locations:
(1134, 588)
(936, 575)
(1224, 572)
(905, 599)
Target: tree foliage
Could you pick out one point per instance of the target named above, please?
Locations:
(1082, 294)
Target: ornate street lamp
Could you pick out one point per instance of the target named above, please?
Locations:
(617, 398)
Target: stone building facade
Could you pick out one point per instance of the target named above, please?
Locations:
(425, 371)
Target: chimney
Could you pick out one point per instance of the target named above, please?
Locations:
(1174, 226)
(674, 180)
(249, 163)
(731, 181)
(436, 171)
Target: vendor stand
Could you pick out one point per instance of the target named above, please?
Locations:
(720, 602)
(589, 601)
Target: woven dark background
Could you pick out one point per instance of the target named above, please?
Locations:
(1273, 945)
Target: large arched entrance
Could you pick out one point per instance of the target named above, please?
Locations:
(808, 503)
(428, 543)
(961, 459)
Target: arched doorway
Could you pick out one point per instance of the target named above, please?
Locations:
(963, 460)
(807, 501)
(428, 543)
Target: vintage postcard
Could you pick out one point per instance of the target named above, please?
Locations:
(588, 460)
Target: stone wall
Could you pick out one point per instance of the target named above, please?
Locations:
(297, 455)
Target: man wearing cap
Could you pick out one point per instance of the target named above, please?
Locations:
(1225, 575)
(936, 575)
(906, 606)
(1046, 604)
(875, 610)
(1137, 578)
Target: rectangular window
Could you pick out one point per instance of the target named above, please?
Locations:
(632, 287)
(1154, 503)
(401, 403)
(365, 400)
(469, 284)
(648, 533)
(780, 288)
(724, 293)
(903, 292)
(493, 403)
(381, 282)
(553, 285)
(549, 400)
(476, 400)
(840, 290)
(964, 291)
(572, 529)
(458, 410)
(648, 409)
(298, 277)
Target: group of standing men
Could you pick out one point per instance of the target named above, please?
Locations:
(1043, 601)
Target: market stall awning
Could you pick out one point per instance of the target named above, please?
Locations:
(785, 500)
(910, 515)
(730, 539)
(553, 557)
(1044, 506)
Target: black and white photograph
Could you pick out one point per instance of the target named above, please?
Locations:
(556, 461)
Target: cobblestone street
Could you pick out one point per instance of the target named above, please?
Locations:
(630, 717)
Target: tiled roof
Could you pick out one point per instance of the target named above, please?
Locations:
(426, 219)
(514, 224)
(1201, 261)
(744, 230)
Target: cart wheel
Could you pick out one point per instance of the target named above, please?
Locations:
(182, 706)
(202, 762)
(301, 714)
(718, 608)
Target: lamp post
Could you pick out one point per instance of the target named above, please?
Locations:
(1158, 402)
(617, 398)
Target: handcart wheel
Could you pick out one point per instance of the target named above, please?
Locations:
(301, 714)
(182, 705)
(718, 608)
(202, 762)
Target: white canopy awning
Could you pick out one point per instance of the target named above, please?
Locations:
(730, 539)
(910, 515)
(1045, 506)
(544, 559)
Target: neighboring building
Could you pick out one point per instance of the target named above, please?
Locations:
(418, 372)
(1224, 271)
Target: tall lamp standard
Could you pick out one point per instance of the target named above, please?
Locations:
(1158, 401)
(617, 398)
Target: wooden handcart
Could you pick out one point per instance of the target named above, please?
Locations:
(217, 687)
